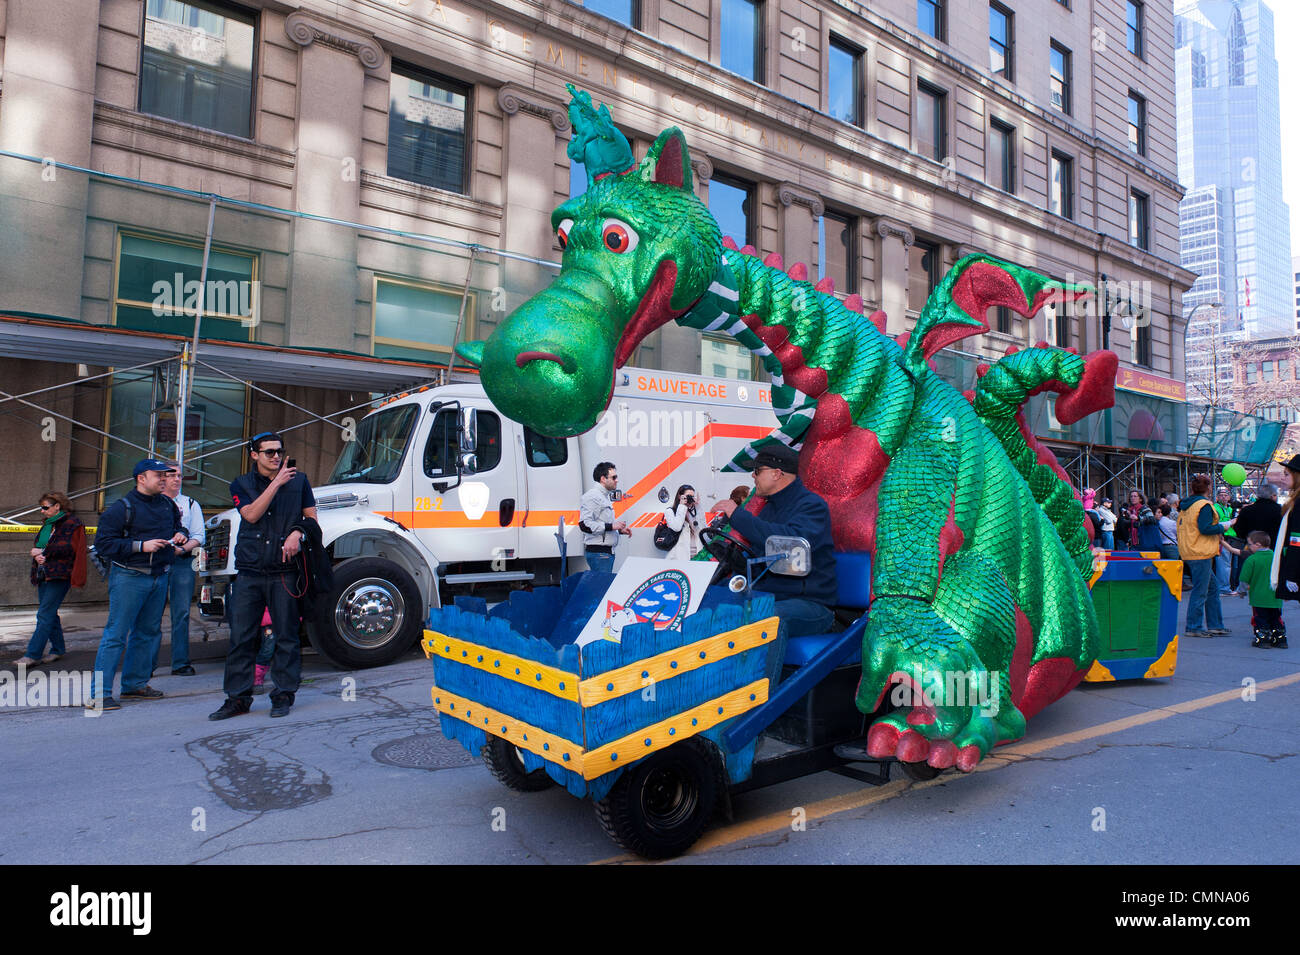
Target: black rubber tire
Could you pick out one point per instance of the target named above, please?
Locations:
(372, 616)
(919, 772)
(503, 761)
(662, 805)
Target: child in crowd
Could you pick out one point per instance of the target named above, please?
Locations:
(1266, 609)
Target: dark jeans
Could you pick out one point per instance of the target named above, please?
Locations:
(254, 593)
(180, 594)
(134, 627)
(49, 629)
(1203, 596)
(1234, 574)
(804, 617)
(1267, 618)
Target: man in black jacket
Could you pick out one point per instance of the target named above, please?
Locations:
(1264, 515)
(136, 534)
(271, 499)
(804, 603)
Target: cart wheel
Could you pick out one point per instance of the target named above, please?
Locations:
(505, 763)
(661, 806)
(919, 772)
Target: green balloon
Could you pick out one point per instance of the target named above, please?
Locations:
(1234, 475)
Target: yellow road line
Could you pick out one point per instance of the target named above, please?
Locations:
(999, 759)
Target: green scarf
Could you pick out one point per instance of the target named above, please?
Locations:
(43, 535)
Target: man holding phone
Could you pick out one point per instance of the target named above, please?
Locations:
(271, 499)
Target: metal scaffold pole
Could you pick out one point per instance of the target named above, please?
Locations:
(185, 386)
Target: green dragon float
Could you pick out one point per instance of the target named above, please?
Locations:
(980, 557)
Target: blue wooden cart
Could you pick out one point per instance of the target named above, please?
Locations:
(661, 728)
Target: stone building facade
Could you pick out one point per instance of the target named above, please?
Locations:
(882, 141)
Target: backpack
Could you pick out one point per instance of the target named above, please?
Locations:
(99, 561)
(665, 536)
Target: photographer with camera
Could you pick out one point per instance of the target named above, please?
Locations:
(680, 526)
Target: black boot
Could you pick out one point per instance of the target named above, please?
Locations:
(1279, 640)
(1262, 638)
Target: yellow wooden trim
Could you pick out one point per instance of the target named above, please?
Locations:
(673, 663)
(1098, 674)
(1172, 572)
(1167, 662)
(551, 680)
(684, 725)
(1098, 569)
(555, 749)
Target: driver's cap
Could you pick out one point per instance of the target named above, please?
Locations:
(778, 456)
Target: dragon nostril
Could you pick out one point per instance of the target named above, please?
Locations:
(524, 357)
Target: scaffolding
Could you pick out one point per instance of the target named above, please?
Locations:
(170, 365)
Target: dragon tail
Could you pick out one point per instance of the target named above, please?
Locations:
(1085, 385)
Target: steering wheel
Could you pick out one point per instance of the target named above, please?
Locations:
(728, 551)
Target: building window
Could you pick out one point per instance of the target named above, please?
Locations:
(417, 322)
(837, 257)
(931, 121)
(158, 289)
(844, 86)
(1001, 22)
(426, 129)
(1137, 123)
(216, 418)
(923, 265)
(1002, 156)
(742, 38)
(732, 203)
(626, 12)
(196, 65)
(724, 358)
(1139, 219)
(1061, 78)
(1002, 319)
(1142, 341)
(1060, 324)
(1133, 20)
(1061, 185)
(1266, 371)
(930, 18)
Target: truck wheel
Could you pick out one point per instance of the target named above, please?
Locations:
(661, 806)
(371, 617)
(505, 763)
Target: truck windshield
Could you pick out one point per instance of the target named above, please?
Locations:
(375, 455)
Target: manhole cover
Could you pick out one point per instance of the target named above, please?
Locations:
(423, 751)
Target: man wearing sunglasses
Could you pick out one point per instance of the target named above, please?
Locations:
(790, 510)
(271, 498)
(596, 518)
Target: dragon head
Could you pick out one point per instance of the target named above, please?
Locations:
(639, 249)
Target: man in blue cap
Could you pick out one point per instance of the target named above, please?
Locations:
(804, 603)
(138, 535)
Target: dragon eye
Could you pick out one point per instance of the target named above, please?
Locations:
(619, 236)
(562, 232)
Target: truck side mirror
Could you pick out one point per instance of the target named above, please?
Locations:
(798, 555)
(468, 462)
(467, 433)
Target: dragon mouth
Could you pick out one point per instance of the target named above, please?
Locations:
(524, 357)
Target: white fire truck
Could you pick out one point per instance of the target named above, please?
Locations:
(440, 494)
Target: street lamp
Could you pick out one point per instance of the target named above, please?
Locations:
(1214, 351)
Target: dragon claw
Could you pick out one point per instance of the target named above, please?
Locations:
(882, 740)
(943, 754)
(968, 757)
(912, 747)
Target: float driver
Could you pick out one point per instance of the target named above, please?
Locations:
(804, 603)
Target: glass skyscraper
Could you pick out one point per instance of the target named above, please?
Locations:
(1234, 227)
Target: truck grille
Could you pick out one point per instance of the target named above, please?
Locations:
(216, 549)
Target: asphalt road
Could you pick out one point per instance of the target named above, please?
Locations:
(1182, 770)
